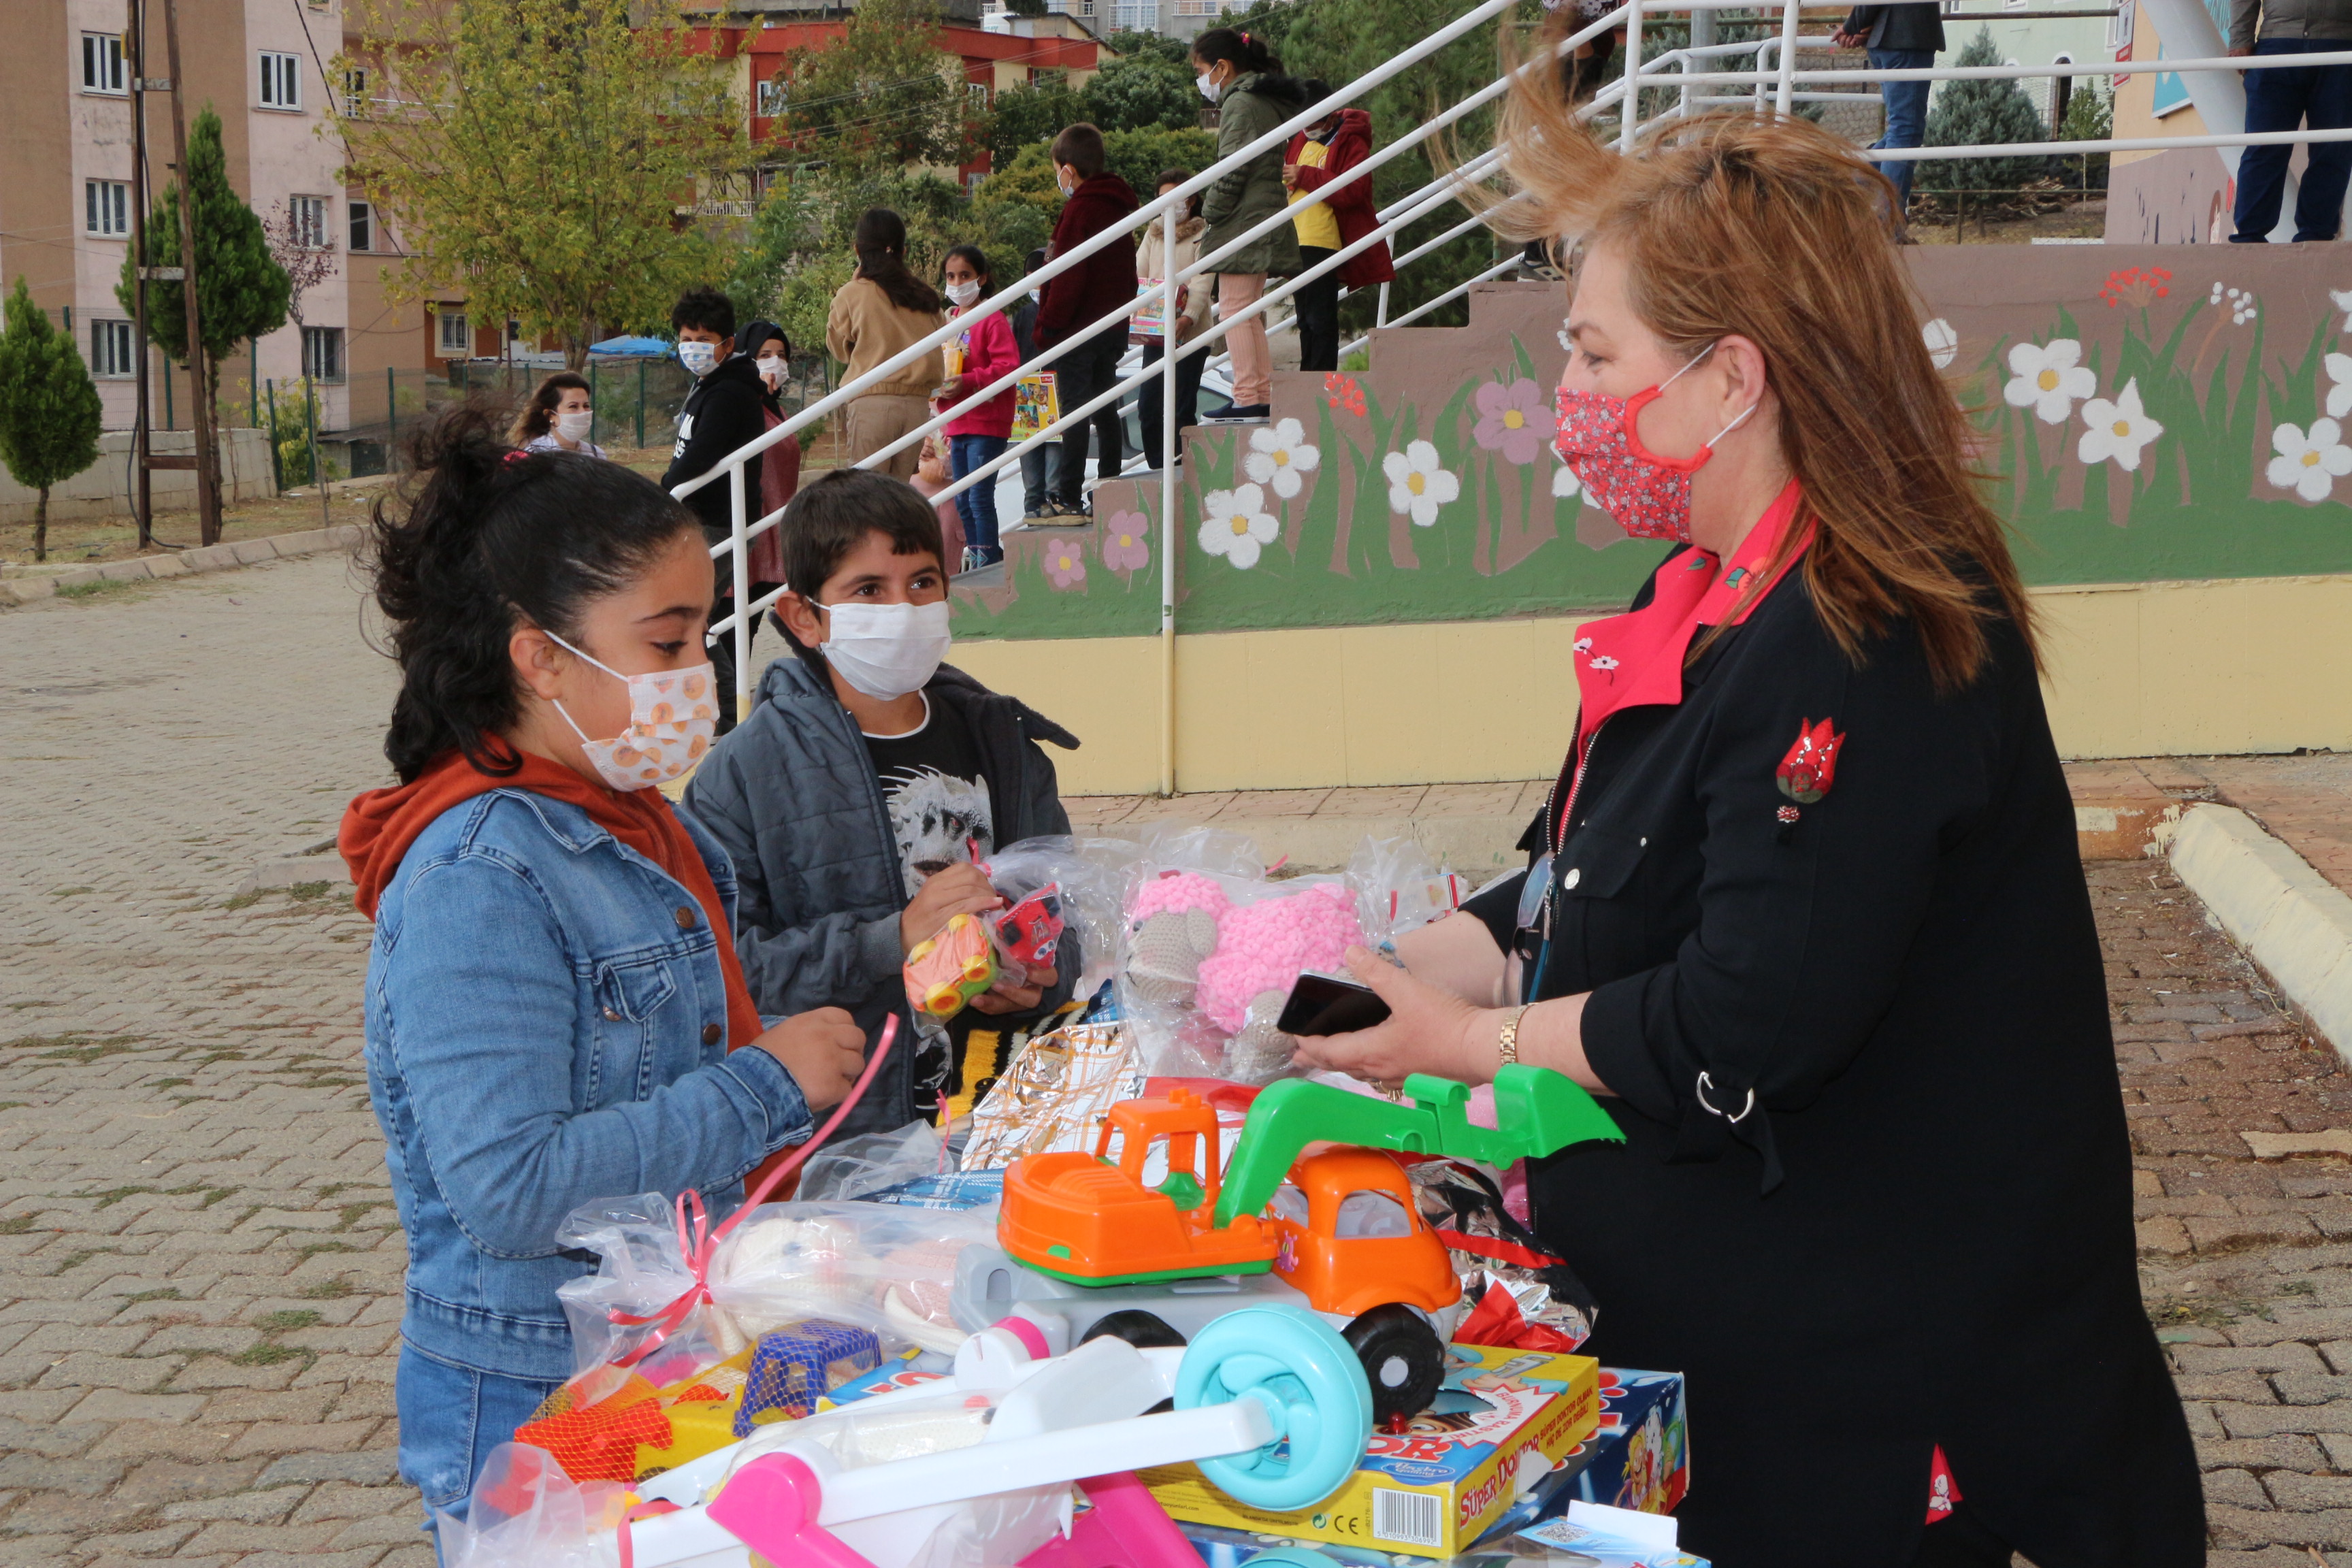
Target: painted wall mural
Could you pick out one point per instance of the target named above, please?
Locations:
(2147, 413)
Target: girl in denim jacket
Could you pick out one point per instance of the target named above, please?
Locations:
(555, 1013)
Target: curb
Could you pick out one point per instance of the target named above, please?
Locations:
(16, 591)
(2289, 919)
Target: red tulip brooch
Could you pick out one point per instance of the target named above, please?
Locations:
(1811, 767)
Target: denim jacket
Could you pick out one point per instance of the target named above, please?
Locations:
(546, 1024)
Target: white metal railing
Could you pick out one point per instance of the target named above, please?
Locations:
(1694, 77)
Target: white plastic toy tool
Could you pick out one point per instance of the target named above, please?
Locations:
(977, 1468)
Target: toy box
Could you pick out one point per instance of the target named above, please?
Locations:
(1638, 1456)
(1501, 1417)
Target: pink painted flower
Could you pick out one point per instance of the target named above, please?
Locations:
(1517, 418)
(1125, 547)
(1065, 564)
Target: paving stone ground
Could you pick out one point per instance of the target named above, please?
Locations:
(199, 1266)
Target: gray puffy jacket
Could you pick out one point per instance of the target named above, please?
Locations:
(792, 796)
(2251, 21)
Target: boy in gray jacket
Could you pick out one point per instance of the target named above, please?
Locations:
(852, 796)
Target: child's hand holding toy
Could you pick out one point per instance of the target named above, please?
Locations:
(952, 890)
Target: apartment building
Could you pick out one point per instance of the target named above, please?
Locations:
(66, 150)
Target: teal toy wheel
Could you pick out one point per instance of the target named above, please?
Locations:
(1291, 1557)
(1311, 1383)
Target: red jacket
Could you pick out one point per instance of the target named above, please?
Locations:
(1104, 281)
(1352, 204)
(990, 356)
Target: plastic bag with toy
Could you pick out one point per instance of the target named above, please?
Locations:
(1061, 905)
(1399, 889)
(526, 1512)
(1514, 1293)
(1210, 949)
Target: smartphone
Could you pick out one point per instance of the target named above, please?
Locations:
(1328, 1004)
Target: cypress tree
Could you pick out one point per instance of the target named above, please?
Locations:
(49, 412)
(242, 293)
(1981, 114)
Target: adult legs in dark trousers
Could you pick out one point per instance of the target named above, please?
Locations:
(1318, 301)
(1907, 115)
(1188, 398)
(2282, 99)
(1087, 373)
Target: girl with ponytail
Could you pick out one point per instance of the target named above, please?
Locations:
(883, 310)
(554, 1009)
(1805, 907)
(1252, 96)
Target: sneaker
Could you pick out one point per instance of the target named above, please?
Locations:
(1240, 414)
(1061, 514)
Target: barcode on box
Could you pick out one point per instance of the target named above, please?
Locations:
(1410, 1519)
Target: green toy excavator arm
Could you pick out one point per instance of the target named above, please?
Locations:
(1537, 1112)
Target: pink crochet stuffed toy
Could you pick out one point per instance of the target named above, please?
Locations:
(1189, 942)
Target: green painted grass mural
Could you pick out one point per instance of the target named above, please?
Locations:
(2165, 419)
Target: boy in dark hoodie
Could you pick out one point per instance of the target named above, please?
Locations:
(851, 799)
(725, 410)
(1100, 284)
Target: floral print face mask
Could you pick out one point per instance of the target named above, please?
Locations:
(1648, 496)
(673, 714)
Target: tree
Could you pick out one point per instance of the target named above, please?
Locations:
(306, 259)
(241, 293)
(883, 95)
(49, 412)
(1981, 114)
(1030, 116)
(1143, 92)
(547, 157)
(1136, 156)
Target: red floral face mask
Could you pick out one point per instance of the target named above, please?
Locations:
(1648, 496)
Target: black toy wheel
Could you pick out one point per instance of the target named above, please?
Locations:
(1404, 1360)
(1144, 1331)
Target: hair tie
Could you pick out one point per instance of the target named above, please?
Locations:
(517, 456)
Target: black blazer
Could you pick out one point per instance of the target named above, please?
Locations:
(1921, 1232)
(1916, 26)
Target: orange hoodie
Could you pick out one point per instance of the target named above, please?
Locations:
(380, 826)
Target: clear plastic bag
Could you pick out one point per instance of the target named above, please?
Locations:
(879, 1267)
(1399, 889)
(853, 1168)
(1210, 949)
(525, 1512)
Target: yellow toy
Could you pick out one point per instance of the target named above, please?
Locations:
(951, 969)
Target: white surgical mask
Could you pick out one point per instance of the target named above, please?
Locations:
(771, 364)
(574, 427)
(886, 650)
(1068, 189)
(672, 715)
(1208, 90)
(697, 357)
(963, 293)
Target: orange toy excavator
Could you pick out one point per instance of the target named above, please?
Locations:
(1081, 1218)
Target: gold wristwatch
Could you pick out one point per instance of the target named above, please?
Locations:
(1507, 1048)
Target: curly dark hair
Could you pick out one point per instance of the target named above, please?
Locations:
(482, 539)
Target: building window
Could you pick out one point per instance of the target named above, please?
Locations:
(109, 349)
(307, 216)
(363, 225)
(457, 337)
(102, 63)
(281, 80)
(2062, 92)
(355, 92)
(322, 354)
(977, 91)
(106, 207)
(771, 96)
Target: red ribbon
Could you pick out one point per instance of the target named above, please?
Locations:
(703, 1245)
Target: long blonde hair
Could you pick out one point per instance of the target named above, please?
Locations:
(1771, 228)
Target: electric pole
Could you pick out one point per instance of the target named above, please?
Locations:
(142, 499)
(208, 499)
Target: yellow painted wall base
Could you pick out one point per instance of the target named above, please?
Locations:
(2135, 670)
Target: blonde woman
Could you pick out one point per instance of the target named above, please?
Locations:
(1805, 906)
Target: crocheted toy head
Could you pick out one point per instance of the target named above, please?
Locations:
(1172, 927)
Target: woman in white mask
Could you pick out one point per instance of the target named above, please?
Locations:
(557, 418)
(780, 464)
(554, 1009)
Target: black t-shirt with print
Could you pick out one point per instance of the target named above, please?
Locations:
(936, 788)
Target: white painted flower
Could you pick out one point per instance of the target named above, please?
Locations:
(2339, 396)
(1564, 482)
(2309, 463)
(2343, 298)
(2048, 378)
(2117, 431)
(1417, 485)
(2215, 298)
(1568, 344)
(1943, 343)
(1237, 525)
(1280, 456)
